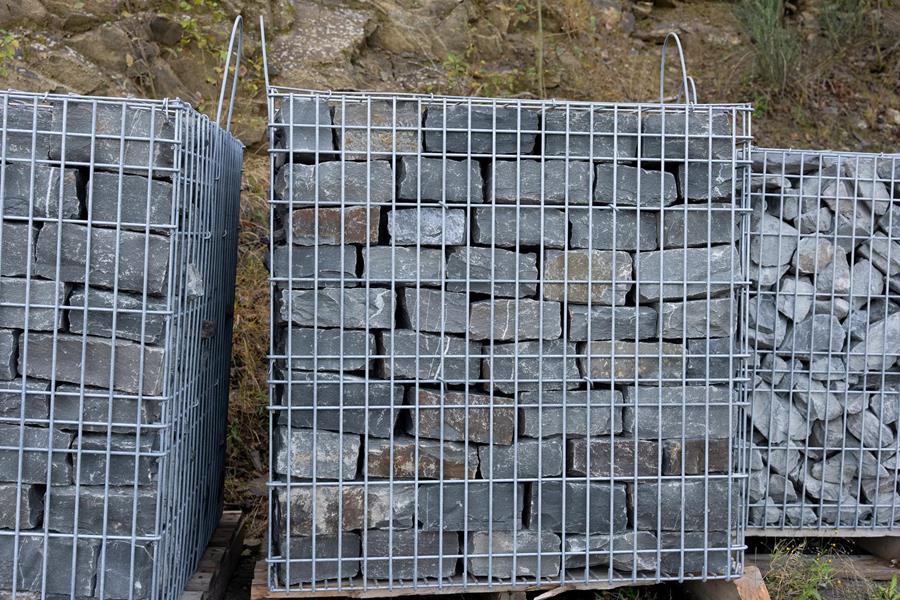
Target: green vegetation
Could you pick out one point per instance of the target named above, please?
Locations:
(797, 575)
(776, 44)
(886, 592)
(9, 44)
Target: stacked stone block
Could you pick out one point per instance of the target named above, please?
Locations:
(825, 336)
(504, 342)
(100, 266)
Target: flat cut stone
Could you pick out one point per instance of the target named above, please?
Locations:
(626, 551)
(8, 350)
(136, 319)
(307, 453)
(713, 360)
(673, 412)
(121, 505)
(427, 226)
(407, 550)
(30, 500)
(24, 143)
(335, 558)
(570, 413)
(706, 180)
(16, 293)
(536, 182)
(431, 415)
(356, 308)
(440, 180)
(519, 319)
(492, 271)
(101, 268)
(304, 126)
(330, 349)
(51, 191)
(601, 228)
(125, 578)
(604, 277)
(589, 507)
(337, 508)
(705, 504)
(531, 365)
(377, 127)
(37, 401)
(138, 369)
(403, 264)
(517, 226)
(480, 129)
(631, 186)
(434, 311)
(314, 266)
(622, 457)
(98, 410)
(473, 505)
(695, 458)
(135, 202)
(31, 574)
(448, 358)
(526, 545)
(630, 322)
(614, 134)
(699, 133)
(336, 225)
(707, 225)
(687, 273)
(112, 459)
(405, 457)
(526, 459)
(617, 360)
(366, 183)
(18, 241)
(699, 318)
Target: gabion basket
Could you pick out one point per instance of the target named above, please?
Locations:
(503, 349)
(824, 334)
(117, 258)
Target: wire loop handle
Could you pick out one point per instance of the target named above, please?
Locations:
(237, 33)
(686, 89)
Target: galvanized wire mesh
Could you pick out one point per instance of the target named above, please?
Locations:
(503, 342)
(117, 257)
(824, 334)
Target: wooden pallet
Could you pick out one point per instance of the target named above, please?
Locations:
(223, 552)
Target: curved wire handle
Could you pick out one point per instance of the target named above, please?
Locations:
(693, 84)
(265, 59)
(237, 33)
(684, 76)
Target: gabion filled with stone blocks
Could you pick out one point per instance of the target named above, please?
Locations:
(117, 257)
(824, 333)
(503, 342)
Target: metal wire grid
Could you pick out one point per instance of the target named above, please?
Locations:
(824, 335)
(411, 236)
(117, 252)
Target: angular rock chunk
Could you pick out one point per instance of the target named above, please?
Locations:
(138, 369)
(469, 128)
(707, 225)
(373, 308)
(605, 512)
(447, 358)
(307, 453)
(336, 225)
(878, 249)
(16, 293)
(702, 133)
(422, 458)
(367, 183)
(630, 322)
(576, 275)
(772, 241)
(670, 412)
(454, 506)
(101, 268)
(706, 181)
(775, 417)
(880, 348)
(813, 254)
(377, 127)
(135, 202)
(517, 226)
(519, 319)
(112, 459)
(766, 328)
(706, 505)
(872, 432)
(440, 180)
(532, 365)
(427, 226)
(628, 360)
(614, 134)
(431, 415)
(121, 505)
(484, 546)
(303, 126)
(699, 318)
(631, 186)
(536, 182)
(492, 271)
(434, 310)
(687, 273)
(51, 191)
(570, 413)
(601, 228)
(136, 319)
(330, 349)
(407, 549)
(526, 459)
(403, 264)
(621, 457)
(834, 278)
(795, 298)
(18, 241)
(819, 333)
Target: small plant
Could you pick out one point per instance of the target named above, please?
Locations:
(776, 44)
(886, 592)
(798, 575)
(9, 45)
(845, 23)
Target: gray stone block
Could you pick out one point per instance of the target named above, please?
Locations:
(335, 226)
(629, 551)
(406, 458)
(707, 224)
(427, 226)
(447, 358)
(407, 554)
(772, 241)
(129, 570)
(423, 266)
(480, 129)
(135, 202)
(620, 457)
(308, 453)
(692, 505)
(334, 395)
(304, 126)
(697, 559)
(707, 180)
(536, 182)
(40, 447)
(335, 558)
(37, 400)
(8, 351)
(818, 333)
(334, 307)
(687, 273)
(517, 226)
(721, 364)
(431, 415)
(51, 191)
(18, 241)
(631, 186)
(678, 134)
(576, 275)
(699, 318)
(440, 180)
(795, 298)
(629, 360)
(525, 459)
(813, 255)
(602, 228)
(775, 417)
(103, 270)
(39, 295)
(766, 328)
(533, 365)
(835, 278)
(473, 505)
(330, 349)
(112, 459)
(631, 322)
(29, 498)
(492, 271)
(339, 507)
(670, 412)
(367, 183)
(377, 127)
(491, 554)
(136, 319)
(880, 348)
(391, 505)
(138, 369)
(21, 119)
(434, 311)
(589, 507)
(555, 407)
(615, 134)
(120, 505)
(519, 319)
(58, 577)
(697, 456)
(877, 250)
(95, 409)
(312, 267)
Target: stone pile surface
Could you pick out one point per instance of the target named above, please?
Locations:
(824, 334)
(504, 344)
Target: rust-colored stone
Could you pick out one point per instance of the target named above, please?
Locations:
(431, 420)
(360, 225)
(458, 461)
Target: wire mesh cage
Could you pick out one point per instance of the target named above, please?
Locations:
(504, 344)
(824, 334)
(117, 258)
